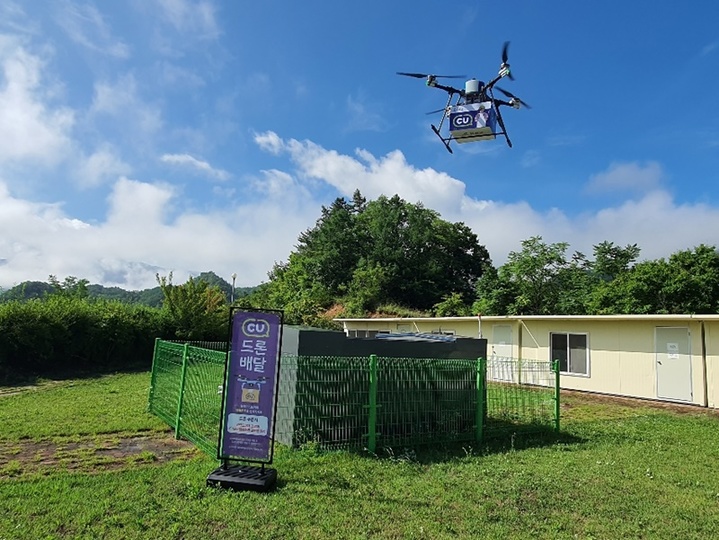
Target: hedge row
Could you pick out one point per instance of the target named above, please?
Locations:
(61, 335)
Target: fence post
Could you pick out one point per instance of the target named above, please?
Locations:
(180, 397)
(372, 435)
(481, 393)
(153, 375)
(555, 368)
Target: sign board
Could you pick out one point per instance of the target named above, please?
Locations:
(250, 386)
(472, 122)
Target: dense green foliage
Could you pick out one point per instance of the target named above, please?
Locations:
(541, 280)
(198, 310)
(68, 332)
(363, 255)
(62, 334)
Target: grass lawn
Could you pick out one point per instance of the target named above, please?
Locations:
(83, 459)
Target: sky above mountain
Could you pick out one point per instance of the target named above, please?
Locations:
(150, 136)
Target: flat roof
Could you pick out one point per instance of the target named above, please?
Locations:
(652, 317)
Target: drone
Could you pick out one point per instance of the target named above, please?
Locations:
(475, 114)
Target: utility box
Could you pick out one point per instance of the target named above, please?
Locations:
(324, 384)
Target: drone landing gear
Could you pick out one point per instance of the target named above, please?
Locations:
(500, 121)
(501, 125)
(444, 141)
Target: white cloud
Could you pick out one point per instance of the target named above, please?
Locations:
(179, 78)
(192, 18)
(269, 142)
(566, 140)
(387, 175)
(146, 229)
(709, 48)
(530, 158)
(99, 167)
(276, 183)
(144, 233)
(14, 18)
(654, 221)
(361, 117)
(85, 25)
(186, 160)
(137, 205)
(30, 128)
(627, 177)
(123, 102)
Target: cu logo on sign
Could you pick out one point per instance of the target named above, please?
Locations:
(463, 120)
(256, 328)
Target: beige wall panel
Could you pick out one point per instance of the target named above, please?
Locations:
(711, 338)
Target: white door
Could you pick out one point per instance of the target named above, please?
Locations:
(500, 366)
(674, 365)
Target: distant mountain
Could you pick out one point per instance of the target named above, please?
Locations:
(26, 291)
(148, 297)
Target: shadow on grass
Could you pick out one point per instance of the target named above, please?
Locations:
(499, 437)
(496, 441)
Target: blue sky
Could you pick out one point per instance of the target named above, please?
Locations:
(192, 135)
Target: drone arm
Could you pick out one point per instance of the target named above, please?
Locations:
(449, 89)
(491, 83)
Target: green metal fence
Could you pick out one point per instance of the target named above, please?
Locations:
(185, 391)
(521, 395)
(363, 402)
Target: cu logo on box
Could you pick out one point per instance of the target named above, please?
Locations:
(463, 120)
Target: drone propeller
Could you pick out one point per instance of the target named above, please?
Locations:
(505, 58)
(425, 75)
(438, 110)
(512, 96)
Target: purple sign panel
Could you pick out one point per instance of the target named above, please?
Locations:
(250, 387)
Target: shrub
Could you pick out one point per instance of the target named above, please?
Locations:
(62, 335)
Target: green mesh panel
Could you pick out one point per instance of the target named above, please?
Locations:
(521, 396)
(422, 400)
(202, 398)
(331, 402)
(325, 400)
(165, 386)
(199, 401)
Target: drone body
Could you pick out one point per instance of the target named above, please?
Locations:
(475, 114)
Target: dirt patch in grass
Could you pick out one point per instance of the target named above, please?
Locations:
(97, 453)
(570, 399)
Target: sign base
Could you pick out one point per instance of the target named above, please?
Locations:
(243, 478)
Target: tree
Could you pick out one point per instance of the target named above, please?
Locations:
(494, 295)
(693, 285)
(452, 305)
(576, 283)
(197, 310)
(424, 257)
(611, 260)
(366, 254)
(540, 280)
(330, 249)
(532, 276)
(70, 287)
(688, 282)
